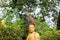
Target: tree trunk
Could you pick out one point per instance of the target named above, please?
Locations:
(58, 22)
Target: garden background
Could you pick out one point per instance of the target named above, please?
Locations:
(15, 24)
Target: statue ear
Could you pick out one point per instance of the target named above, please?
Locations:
(31, 20)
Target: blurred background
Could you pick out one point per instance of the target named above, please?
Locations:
(14, 24)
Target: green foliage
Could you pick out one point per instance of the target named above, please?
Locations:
(19, 33)
(45, 32)
(45, 5)
(10, 34)
(14, 31)
(49, 34)
(18, 30)
(20, 3)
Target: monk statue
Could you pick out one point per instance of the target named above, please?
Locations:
(32, 34)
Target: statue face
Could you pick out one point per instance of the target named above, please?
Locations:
(31, 28)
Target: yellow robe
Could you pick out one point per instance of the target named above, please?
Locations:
(33, 36)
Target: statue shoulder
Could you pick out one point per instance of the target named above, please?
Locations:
(28, 37)
(37, 36)
(37, 33)
(28, 34)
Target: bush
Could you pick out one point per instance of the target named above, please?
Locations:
(49, 34)
(17, 34)
(14, 31)
(19, 31)
(10, 34)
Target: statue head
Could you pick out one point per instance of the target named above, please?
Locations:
(31, 22)
(31, 28)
